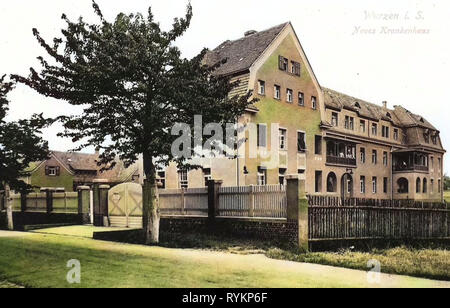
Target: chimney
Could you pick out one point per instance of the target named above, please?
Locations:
(250, 32)
(385, 104)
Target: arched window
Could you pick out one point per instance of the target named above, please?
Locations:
(418, 181)
(402, 186)
(331, 182)
(424, 185)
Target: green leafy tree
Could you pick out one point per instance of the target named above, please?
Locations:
(446, 182)
(20, 144)
(133, 85)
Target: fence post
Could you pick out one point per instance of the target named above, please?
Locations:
(252, 201)
(98, 215)
(103, 198)
(23, 201)
(83, 204)
(213, 198)
(49, 200)
(297, 209)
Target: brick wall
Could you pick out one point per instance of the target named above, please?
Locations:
(242, 228)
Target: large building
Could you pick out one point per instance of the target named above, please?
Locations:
(341, 145)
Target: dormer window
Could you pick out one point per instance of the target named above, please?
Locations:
(426, 136)
(283, 63)
(357, 105)
(434, 139)
(422, 120)
(388, 115)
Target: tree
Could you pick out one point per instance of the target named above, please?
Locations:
(134, 85)
(20, 144)
(446, 182)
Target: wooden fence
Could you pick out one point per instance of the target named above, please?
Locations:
(253, 201)
(332, 218)
(186, 202)
(66, 202)
(245, 201)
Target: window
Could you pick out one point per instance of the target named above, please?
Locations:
(334, 119)
(418, 182)
(313, 102)
(261, 87)
(385, 131)
(282, 176)
(301, 99)
(402, 186)
(295, 68)
(374, 185)
(349, 123)
(277, 92)
(424, 186)
(374, 129)
(362, 184)
(207, 175)
(289, 96)
(431, 186)
(52, 171)
(385, 185)
(318, 145)
(362, 155)
(385, 158)
(283, 138)
(434, 139)
(439, 186)
(262, 135)
(362, 126)
(396, 134)
(161, 179)
(426, 136)
(183, 179)
(432, 162)
(374, 157)
(283, 63)
(331, 182)
(262, 175)
(301, 143)
(318, 182)
(439, 164)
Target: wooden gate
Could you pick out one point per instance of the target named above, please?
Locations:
(125, 205)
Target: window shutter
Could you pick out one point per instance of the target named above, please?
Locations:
(57, 171)
(47, 170)
(262, 135)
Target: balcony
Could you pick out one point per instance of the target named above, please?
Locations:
(412, 167)
(341, 160)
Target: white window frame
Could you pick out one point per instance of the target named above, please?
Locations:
(306, 146)
(362, 184)
(314, 102)
(289, 95)
(52, 171)
(183, 183)
(277, 92)
(301, 99)
(282, 139)
(374, 185)
(261, 87)
(262, 177)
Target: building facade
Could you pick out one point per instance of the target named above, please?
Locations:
(341, 145)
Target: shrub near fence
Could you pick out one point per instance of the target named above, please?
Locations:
(332, 218)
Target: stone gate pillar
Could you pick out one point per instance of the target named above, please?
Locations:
(84, 200)
(297, 209)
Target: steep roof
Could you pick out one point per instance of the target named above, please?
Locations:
(399, 116)
(242, 53)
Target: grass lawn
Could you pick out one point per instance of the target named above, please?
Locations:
(447, 196)
(39, 260)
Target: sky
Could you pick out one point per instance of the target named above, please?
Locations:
(394, 51)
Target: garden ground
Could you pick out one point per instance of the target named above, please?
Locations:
(40, 259)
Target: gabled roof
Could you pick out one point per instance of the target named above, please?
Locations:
(242, 53)
(399, 116)
(78, 161)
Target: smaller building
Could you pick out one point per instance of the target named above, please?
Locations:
(65, 171)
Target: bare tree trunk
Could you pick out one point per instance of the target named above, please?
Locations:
(150, 204)
(8, 204)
